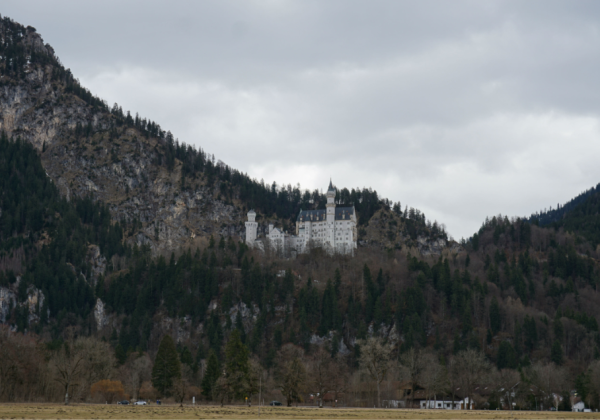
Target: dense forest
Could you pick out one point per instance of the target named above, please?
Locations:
(517, 303)
(521, 295)
(581, 216)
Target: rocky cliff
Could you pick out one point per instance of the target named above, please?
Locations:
(114, 163)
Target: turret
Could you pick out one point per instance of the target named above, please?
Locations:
(251, 228)
(330, 203)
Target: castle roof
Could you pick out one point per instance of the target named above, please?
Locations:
(341, 213)
(330, 188)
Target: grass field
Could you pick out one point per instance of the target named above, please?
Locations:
(91, 411)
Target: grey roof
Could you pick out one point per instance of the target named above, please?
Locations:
(330, 188)
(341, 213)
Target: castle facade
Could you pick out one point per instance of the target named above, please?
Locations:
(332, 228)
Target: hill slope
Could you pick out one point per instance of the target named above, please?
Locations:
(137, 236)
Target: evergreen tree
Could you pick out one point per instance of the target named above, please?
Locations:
(237, 366)
(495, 319)
(211, 375)
(120, 354)
(531, 336)
(507, 358)
(556, 354)
(167, 367)
(186, 357)
(558, 328)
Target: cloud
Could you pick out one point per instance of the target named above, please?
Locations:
(461, 109)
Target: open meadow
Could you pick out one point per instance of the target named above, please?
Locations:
(99, 411)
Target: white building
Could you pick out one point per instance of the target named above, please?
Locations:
(448, 404)
(333, 229)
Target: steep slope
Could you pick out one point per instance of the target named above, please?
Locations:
(174, 195)
(580, 216)
(89, 150)
(557, 214)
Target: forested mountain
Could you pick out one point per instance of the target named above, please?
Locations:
(581, 215)
(115, 236)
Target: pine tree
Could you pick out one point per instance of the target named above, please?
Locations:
(558, 328)
(531, 336)
(495, 319)
(237, 366)
(120, 354)
(556, 354)
(166, 366)
(507, 358)
(211, 375)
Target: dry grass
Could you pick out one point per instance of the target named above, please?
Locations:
(90, 411)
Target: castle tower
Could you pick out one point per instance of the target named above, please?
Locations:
(330, 232)
(251, 228)
(330, 204)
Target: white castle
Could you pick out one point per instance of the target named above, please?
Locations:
(333, 229)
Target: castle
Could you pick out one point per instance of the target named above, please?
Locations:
(332, 228)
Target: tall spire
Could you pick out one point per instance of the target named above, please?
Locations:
(330, 186)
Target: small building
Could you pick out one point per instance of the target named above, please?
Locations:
(447, 404)
(578, 407)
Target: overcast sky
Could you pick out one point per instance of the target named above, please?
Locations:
(462, 109)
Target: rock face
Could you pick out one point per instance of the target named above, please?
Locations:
(35, 303)
(431, 247)
(7, 301)
(97, 263)
(85, 150)
(100, 315)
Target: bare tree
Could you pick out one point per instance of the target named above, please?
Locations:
(472, 368)
(137, 371)
(412, 365)
(595, 376)
(291, 373)
(549, 379)
(506, 383)
(68, 363)
(452, 378)
(432, 375)
(221, 390)
(98, 362)
(376, 359)
(180, 387)
(340, 378)
(20, 365)
(320, 370)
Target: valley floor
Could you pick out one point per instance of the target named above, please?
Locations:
(99, 411)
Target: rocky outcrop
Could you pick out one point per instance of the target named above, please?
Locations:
(97, 263)
(428, 246)
(100, 315)
(35, 303)
(7, 301)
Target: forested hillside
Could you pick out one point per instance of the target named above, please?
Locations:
(580, 215)
(120, 246)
